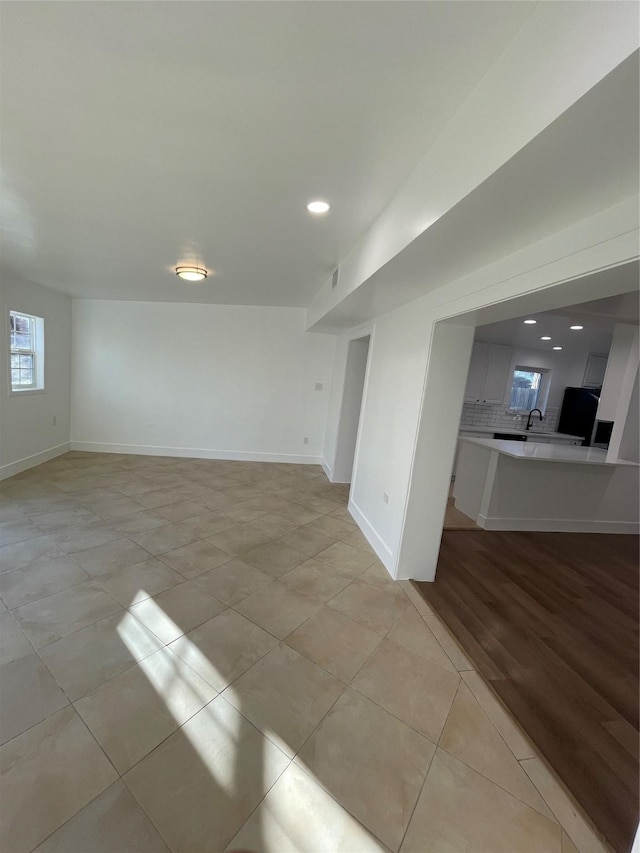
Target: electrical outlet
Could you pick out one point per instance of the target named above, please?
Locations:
(385, 497)
(305, 440)
(319, 386)
(55, 420)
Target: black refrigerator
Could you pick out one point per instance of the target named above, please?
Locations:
(578, 412)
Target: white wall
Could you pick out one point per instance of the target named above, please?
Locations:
(620, 373)
(436, 440)
(27, 432)
(336, 392)
(630, 439)
(618, 388)
(397, 361)
(201, 380)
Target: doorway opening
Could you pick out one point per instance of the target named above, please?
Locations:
(444, 396)
(354, 382)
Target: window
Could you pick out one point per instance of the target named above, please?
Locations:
(526, 388)
(27, 351)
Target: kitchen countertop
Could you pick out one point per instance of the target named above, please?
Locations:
(523, 431)
(548, 452)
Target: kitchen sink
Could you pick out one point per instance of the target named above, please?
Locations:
(509, 436)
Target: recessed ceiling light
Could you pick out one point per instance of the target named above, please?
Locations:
(576, 328)
(545, 338)
(191, 273)
(530, 322)
(318, 206)
(557, 347)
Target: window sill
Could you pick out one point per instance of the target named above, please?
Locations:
(15, 392)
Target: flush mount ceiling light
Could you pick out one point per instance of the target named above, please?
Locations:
(576, 328)
(545, 338)
(191, 273)
(530, 322)
(318, 206)
(557, 347)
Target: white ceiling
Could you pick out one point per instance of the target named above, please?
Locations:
(139, 135)
(598, 318)
(581, 164)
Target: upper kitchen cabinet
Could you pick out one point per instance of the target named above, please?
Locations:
(595, 370)
(488, 373)
(477, 372)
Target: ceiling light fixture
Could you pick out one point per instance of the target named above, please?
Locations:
(545, 338)
(576, 328)
(530, 322)
(557, 347)
(318, 206)
(191, 273)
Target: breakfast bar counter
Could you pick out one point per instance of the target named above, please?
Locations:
(511, 485)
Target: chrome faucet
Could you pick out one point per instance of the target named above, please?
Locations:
(528, 426)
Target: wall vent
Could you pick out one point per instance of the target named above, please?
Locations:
(334, 277)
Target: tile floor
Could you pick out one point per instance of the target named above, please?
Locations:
(207, 655)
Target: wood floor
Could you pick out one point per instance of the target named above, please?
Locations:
(551, 621)
(456, 520)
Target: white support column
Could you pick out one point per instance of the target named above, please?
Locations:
(618, 385)
(435, 449)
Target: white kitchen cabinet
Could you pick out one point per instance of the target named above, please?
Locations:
(595, 370)
(488, 373)
(477, 372)
(495, 385)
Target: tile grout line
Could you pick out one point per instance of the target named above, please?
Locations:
(68, 820)
(280, 641)
(511, 720)
(574, 805)
(479, 772)
(415, 805)
(317, 780)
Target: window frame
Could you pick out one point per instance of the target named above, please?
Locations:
(36, 352)
(543, 391)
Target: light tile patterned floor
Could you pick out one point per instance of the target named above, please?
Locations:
(204, 655)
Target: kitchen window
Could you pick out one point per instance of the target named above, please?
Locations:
(26, 334)
(529, 389)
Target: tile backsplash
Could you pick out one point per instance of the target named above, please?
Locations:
(495, 415)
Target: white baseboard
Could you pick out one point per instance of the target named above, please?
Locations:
(379, 546)
(194, 453)
(31, 461)
(558, 525)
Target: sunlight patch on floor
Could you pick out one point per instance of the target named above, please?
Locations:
(166, 672)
